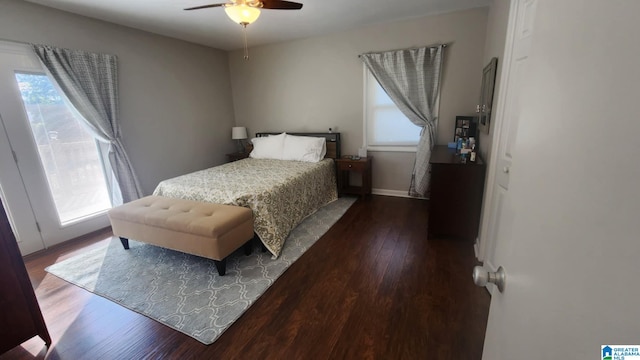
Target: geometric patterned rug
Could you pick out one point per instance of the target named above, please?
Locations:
(185, 291)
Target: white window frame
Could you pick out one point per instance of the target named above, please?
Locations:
(368, 77)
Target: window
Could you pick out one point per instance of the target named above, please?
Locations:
(69, 154)
(385, 126)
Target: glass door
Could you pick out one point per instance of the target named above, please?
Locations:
(57, 161)
(68, 153)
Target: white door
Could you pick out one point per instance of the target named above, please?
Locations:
(13, 194)
(44, 166)
(567, 224)
(506, 125)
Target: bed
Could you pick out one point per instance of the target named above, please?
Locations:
(281, 193)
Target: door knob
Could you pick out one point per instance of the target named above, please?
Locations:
(505, 169)
(482, 277)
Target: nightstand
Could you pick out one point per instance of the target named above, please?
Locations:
(237, 156)
(361, 166)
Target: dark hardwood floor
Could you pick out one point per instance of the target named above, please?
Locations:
(373, 287)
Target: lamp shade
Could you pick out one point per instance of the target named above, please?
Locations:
(238, 133)
(242, 14)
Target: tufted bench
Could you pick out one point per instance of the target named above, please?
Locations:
(209, 230)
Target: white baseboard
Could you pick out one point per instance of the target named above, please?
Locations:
(396, 193)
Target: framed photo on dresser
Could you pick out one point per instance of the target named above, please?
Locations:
(465, 127)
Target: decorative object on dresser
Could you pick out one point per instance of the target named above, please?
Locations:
(239, 133)
(456, 194)
(21, 319)
(348, 164)
(466, 127)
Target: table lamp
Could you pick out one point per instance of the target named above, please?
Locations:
(239, 133)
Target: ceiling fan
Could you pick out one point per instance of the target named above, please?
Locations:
(244, 12)
(265, 4)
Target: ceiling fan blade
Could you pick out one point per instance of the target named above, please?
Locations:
(281, 5)
(205, 6)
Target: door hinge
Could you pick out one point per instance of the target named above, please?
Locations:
(38, 226)
(15, 157)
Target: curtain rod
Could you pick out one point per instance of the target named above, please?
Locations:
(417, 47)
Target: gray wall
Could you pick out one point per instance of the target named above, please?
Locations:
(316, 83)
(177, 108)
(175, 99)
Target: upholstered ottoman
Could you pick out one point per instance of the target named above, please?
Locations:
(209, 230)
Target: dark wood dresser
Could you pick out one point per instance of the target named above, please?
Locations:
(21, 318)
(455, 199)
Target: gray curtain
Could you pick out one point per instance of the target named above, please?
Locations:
(90, 82)
(411, 78)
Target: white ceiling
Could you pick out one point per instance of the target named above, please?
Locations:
(211, 27)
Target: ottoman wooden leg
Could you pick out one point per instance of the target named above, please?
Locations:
(221, 265)
(256, 238)
(248, 247)
(125, 243)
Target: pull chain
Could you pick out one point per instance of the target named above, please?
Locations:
(244, 35)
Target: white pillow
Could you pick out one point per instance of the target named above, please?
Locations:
(304, 148)
(268, 147)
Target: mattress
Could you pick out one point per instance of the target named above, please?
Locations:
(281, 193)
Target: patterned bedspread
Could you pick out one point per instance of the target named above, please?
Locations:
(281, 193)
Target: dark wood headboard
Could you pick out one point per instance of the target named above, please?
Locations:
(333, 141)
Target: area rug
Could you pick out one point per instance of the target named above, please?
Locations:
(184, 291)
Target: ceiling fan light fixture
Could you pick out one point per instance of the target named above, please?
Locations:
(242, 14)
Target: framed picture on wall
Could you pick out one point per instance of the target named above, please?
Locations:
(486, 94)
